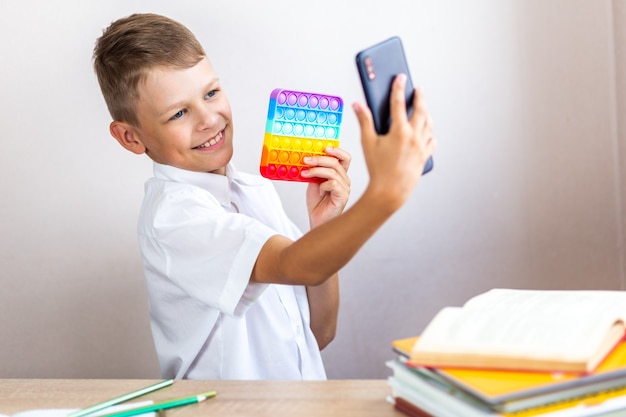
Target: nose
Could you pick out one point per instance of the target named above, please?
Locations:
(207, 116)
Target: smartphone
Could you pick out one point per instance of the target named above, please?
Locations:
(378, 65)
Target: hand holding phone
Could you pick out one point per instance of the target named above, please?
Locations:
(378, 65)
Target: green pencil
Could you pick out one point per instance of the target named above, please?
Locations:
(164, 405)
(121, 399)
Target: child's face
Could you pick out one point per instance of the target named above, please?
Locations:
(185, 119)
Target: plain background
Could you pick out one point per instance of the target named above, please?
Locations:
(528, 101)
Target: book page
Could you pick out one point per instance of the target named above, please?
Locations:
(563, 324)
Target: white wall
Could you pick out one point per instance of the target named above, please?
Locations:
(526, 96)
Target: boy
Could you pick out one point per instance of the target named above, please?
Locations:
(236, 291)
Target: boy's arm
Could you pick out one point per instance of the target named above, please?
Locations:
(324, 308)
(395, 163)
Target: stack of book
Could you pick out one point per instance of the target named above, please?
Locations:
(518, 353)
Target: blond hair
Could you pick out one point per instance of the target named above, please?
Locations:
(129, 48)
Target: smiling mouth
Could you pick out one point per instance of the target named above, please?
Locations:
(213, 141)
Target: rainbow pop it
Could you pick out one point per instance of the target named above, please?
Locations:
(298, 125)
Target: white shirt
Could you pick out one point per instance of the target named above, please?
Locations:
(200, 235)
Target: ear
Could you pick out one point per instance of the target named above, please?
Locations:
(126, 135)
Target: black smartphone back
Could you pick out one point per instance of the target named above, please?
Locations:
(378, 65)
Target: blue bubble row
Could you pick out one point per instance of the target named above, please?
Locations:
(305, 130)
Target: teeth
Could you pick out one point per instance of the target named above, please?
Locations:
(211, 142)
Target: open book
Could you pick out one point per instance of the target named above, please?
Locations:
(541, 330)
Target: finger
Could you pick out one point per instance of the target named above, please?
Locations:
(338, 190)
(429, 122)
(366, 124)
(420, 118)
(397, 99)
(431, 146)
(363, 115)
(342, 156)
(328, 161)
(327, 173)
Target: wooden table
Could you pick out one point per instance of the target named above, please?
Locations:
(343, 398)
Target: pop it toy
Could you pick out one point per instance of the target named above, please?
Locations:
(298, 125)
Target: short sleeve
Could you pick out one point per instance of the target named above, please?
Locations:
(206, 252)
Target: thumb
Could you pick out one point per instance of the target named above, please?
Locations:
(366, 123)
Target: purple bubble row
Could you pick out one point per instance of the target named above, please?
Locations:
(313, 101)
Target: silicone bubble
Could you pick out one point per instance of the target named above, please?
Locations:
(298, 125)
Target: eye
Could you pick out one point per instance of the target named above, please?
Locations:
(210, 94)
(178, 115)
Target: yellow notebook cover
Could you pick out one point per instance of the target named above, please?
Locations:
(501, 386)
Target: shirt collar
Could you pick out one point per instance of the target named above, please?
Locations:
(218, 185)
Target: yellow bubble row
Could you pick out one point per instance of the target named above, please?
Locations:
(298, 144)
